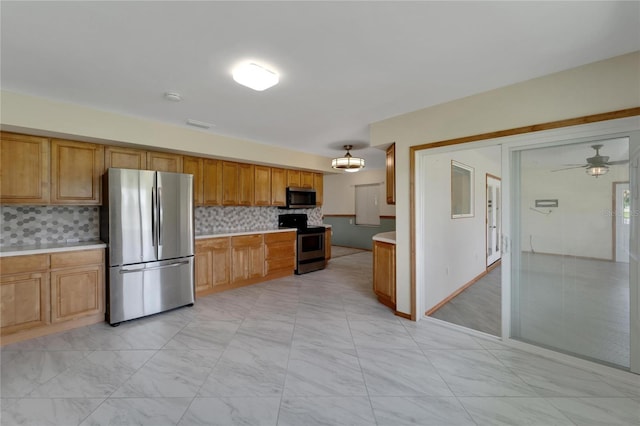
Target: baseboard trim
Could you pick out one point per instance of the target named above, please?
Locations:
(402, 315)
(455, 293)
(602, 259)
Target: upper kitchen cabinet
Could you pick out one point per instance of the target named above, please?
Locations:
(318, 185)
(391, 174)
(212, 182)
(124, 158)
(237, 184)
(164, 162)
(76, 168)
(306, 179)
(278, 187)
(24, 169)
(262, 188)
(293, 178)
(246, 184)
(194, 166)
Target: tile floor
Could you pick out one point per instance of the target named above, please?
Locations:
(307, 350)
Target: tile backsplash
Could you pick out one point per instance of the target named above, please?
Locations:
(29, 225)
(215, 219)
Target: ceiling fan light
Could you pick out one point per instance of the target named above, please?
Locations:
(348, 163)
(596, 171)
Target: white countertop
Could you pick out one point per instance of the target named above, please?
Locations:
(233, 233)
(386, 237)
(50, 248)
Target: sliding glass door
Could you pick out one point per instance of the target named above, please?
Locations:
(571, 260)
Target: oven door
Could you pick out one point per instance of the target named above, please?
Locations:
(310, 246)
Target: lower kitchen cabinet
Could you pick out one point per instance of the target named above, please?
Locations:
(47, 293)
(77, 285)
(223, 263)
(212, 264)
(279, 253)
(247, 258)
(384, 273)
(327, 245)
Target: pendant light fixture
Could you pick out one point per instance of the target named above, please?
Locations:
(348, 163)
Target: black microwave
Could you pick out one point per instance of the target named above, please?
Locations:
(300, 198)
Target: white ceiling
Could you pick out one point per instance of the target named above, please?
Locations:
(343, 65)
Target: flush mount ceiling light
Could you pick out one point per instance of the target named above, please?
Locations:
(348, 163)
(255, 76)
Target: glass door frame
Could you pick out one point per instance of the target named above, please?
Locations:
(573, 134)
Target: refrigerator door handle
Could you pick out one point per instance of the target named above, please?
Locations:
(171, 265)
(153, 216)
(160, 214)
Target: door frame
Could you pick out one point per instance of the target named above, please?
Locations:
(614, 218)
(626, 122)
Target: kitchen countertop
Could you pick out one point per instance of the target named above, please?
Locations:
(233, 233)
(50, 248)
(386, 237)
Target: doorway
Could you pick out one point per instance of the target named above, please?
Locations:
(493, 219)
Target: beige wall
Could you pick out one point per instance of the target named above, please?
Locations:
(340, 190)
(28, 114)
(603, 86)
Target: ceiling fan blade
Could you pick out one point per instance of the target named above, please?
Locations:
(569, 168)
(613, 163)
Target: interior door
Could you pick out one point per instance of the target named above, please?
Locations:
(494, 219)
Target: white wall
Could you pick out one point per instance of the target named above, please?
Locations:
(582, 224)
(340, 188)
(32, 115)
(455, 249)
(600, 87)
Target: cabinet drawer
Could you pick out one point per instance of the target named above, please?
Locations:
(76, 258)
(283, 249)
(19, 264)
(247, 240)
(274, 237)
(287, 264)
(212, 243)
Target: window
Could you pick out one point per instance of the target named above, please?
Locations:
(367, 208)
(461, 190)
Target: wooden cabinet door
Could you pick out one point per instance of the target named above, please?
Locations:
(164, 162)
(24, 302)
(229, 183)
(306, 179)
(212, 182)
(246, 184)
(194, 166)
(124, 158)
(293, 178)
(24, 169)
(391, 174)
(212, 264)
(247, 257)
(278, 187)
(384, 272)
(203, 268)
(76, 168)
(262, 186)
(76, 292)
(318, 185)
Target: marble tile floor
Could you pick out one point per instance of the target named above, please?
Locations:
(315, 349)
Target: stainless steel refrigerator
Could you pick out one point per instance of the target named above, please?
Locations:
(147, 222)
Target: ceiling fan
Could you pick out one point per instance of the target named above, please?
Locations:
(596, 165)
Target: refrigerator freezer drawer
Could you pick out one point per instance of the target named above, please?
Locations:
(139, 290)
